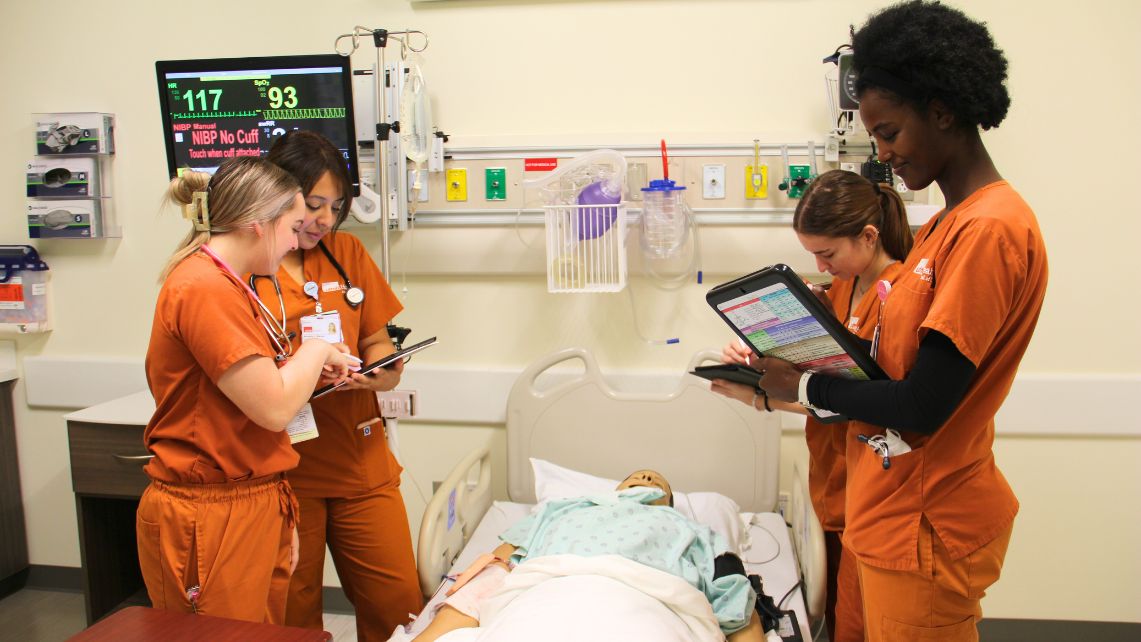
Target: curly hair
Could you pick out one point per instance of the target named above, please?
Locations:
(937, 52)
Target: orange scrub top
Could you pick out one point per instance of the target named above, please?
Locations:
(978, 277)
(204, 323)
(827, 443)
(342, 461)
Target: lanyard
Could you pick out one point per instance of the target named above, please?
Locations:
(276, 333)
(883, 288)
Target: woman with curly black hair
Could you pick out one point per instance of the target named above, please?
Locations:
(928, 514)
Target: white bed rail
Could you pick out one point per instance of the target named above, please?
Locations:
(808, 539)
(697, 439)
(451, 516)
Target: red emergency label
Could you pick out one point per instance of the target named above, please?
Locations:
(539, 164)
(11, 292)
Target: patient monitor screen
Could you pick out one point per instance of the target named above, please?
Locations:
(778, 325)
(228, 107)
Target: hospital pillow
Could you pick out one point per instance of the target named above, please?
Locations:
(715, 510)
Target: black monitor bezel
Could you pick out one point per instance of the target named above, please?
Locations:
(163, 67)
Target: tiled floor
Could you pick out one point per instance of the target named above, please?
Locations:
(34, 615)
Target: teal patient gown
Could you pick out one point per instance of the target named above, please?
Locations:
(623, 523)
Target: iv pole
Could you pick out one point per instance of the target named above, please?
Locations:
(380, 111)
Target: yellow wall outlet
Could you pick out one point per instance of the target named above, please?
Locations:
(456, 180)
(757, 182)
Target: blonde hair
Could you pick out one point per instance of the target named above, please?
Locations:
(242, 192)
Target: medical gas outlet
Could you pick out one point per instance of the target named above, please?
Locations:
(456, 180)
(495, 183)
(799, 176)
(713, 182)
(756, 182)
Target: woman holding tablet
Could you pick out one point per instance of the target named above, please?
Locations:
(348, 482)
(858, 232)
(930, 527)
(216, 525)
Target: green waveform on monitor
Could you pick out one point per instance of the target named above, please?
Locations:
(297, 114)
(212, 114)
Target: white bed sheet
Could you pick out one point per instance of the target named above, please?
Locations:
(770, 555)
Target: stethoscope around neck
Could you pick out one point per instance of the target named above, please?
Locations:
(354, 296)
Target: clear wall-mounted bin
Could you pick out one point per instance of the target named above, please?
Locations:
(24, 279)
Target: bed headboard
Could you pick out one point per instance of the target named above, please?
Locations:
(699, 440)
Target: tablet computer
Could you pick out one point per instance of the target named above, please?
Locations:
(390, 359)
(734, 372)
(776, 314)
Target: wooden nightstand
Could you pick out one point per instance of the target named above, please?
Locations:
(107, 458)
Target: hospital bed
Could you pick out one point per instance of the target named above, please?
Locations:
(699, 440)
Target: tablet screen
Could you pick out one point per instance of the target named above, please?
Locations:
(779, 325)
(392, 358)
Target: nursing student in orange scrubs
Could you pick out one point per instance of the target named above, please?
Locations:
(930, 527)
(347, 482)
(858, 232)
(216, 526)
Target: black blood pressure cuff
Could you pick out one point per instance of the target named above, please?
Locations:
(727, 564)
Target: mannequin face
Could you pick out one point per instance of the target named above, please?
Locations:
(321, 206)
(652, 479)
(842, 257)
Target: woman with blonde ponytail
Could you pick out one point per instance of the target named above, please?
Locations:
(858, 232)
(216, 527)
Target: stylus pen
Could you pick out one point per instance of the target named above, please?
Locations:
(356, 360)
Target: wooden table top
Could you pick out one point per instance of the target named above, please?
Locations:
(141, 624)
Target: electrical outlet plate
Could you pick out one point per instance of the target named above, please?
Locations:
(756, 182)
(798, 171)
(456, 180)
(495, 180)
(713, 181)
(397, 404)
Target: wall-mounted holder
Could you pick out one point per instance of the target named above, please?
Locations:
(24, 280)
(69, 181)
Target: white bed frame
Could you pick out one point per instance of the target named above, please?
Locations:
(579, 421)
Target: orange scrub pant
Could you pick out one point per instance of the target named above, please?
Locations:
(231, 540)
(368, 537)
(940, 601)
(843, 607)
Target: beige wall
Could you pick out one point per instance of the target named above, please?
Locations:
(512, 72)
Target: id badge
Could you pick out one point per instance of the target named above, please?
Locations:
(326, 326)
(303, 426)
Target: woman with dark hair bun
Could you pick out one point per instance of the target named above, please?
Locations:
(348, 481)
(857, 231)
(929, 523)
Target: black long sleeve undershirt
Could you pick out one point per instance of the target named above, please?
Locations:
(920, 403)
